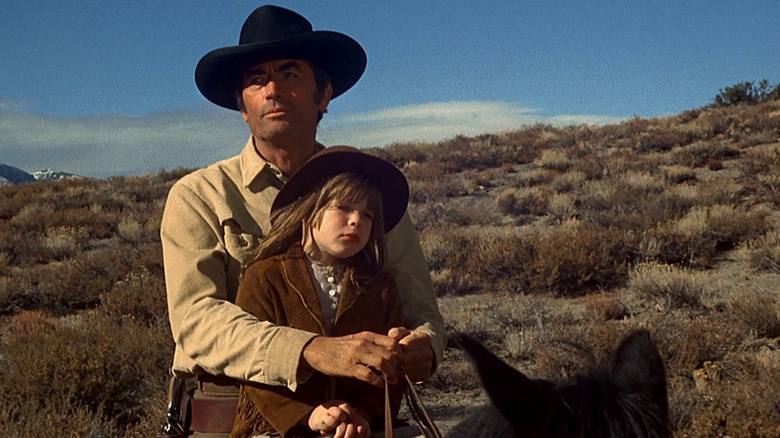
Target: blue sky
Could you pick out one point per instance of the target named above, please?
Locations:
(102, 88)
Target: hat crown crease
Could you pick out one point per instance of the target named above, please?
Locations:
(271, 24)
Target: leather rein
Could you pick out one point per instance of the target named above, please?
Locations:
(416, 407)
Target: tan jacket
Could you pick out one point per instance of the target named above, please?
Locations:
(213, 221)
(280, 289)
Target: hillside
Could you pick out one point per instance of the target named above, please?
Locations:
(549, 244)
(13, 175)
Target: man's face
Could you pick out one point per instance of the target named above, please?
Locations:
(280, 98)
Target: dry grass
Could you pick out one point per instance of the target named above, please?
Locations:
(549, 244)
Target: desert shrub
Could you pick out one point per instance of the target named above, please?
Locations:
(687, 341)
(109, 367)
(486, 256)
(438, 214)
(719, 397)
(429, 172)
(484, 152)
(140, 296)
(698, 154)
(717, 191)
(561, 208)
(761, 167)
(528, 201)
(572, 349)
(770, 185)
(62, 242)
(604, 307)
(449, 282)
(733, 225)
(714, 164)
(596, 196)
(660, 140)
(454, 375)
(429, 190)
(628, 128)
(637, 208)
(56, 417)
(168, 177)
(469, 314)
(477, 211)
(568, 181)
(677, 174)
(696, 237)
(568, 262)
(62, 287)
(403, 154)
(616, 162)
(590, 166)
(443, 251)
(529, 177)
(765, 252)
(554, 160)
(666, 285)
(758, 312)
(741, 416)
(756, 138)
(134, 230)
(748, 93)
(519, 344)
(639, 181)
(488, 178)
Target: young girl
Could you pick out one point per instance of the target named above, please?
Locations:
(320, 269)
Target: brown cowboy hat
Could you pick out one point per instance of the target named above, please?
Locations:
(271, 33)
(341, 159)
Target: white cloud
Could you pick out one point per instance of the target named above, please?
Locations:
(439, 121)
(106, 145)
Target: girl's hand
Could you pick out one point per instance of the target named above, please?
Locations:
(356, 427)
(340, 419)
(329, 415)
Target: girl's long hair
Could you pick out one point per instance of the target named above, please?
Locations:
(288, 222)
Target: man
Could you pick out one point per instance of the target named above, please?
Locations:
(281, 77)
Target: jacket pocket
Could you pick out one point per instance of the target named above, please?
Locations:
(240, 245)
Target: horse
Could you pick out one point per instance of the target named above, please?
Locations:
(623, 397)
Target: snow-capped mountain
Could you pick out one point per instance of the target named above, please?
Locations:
(14, 175)
(49, 174)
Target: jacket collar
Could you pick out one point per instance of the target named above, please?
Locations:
(253, 164)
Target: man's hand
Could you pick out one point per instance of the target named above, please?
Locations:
(365, 356)
(416, 354)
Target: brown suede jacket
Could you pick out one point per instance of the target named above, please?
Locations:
(280, 289)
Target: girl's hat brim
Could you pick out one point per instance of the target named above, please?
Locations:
(335, 160)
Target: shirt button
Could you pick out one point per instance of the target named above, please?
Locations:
(332, 293)
(333, 306)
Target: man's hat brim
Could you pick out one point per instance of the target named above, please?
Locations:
(335, 160)
(220, 71)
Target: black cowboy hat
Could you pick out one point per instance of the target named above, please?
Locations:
(341, 159)
(271, 33)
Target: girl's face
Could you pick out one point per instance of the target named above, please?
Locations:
(343, 231)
